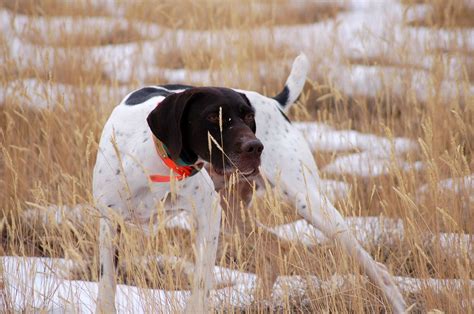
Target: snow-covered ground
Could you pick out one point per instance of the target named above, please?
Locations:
(39, 283)
(368, 29)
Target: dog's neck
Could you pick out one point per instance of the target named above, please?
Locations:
(180, 168)
(163, 152)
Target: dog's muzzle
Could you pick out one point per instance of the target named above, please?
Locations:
(249, 157)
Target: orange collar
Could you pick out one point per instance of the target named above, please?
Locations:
(181, 172)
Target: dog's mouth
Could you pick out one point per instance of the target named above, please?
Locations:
(248, 172)
(235, 164)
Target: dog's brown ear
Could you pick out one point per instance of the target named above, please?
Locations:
(254, 126)
(165, 121)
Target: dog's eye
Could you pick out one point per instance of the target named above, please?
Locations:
(249, 117)
(213, 118)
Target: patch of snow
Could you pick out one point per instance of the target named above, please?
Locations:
(46, 28)
(39, 94)
(299, 232)
(55, 214)
(371, 231)
(371, 81)
(224, 275)
(322, 137)
(367, 230)
(369, 164)
(456, 185)
(292, 286)
(239, 295)
(462, 186)
(335, 190)
(454, 244)
(416, 285)
(374, 156)
(369, 4)
(112, 7)
(36, 284)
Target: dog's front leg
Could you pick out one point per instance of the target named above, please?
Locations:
(301, 183)
(107, 281)
(318, 210)
(207, 215)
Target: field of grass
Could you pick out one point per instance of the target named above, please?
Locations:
(64, 65)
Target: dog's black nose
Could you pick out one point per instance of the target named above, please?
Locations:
(254, 147)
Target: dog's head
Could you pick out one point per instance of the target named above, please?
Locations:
(200, 121)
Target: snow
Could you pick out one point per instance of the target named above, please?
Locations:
(370, 29)
(36, 283)
(456, 185)
(462, 187)
(323, 137)
(369, 164)
(371, 81)
(414, 285)
(366, 229)
(335, 190)
(374, 154)
(34, 93)
(376, 231)
(45, 28)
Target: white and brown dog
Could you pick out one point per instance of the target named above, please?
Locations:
(152, 151)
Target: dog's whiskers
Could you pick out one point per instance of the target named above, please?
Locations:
(211, 138)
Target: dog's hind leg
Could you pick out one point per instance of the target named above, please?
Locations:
(107, 281)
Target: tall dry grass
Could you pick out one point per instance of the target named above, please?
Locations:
(48, 155)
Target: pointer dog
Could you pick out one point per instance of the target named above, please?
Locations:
(152, 151)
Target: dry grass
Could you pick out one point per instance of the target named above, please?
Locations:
(48, 154)
(196, 56)
(446, 13)
(212, 14)
(53, 7)
(85, 37)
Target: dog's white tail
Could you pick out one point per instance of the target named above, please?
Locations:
(294, 84)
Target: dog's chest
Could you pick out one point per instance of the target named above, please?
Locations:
(126, 158)
(156, 201)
